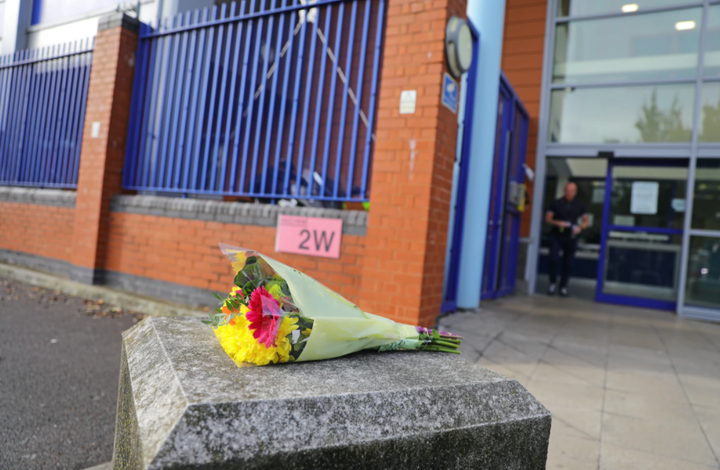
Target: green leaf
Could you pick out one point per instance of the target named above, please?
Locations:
(219, 310)
(218, 296)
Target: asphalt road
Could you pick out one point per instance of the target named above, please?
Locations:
(59, 367)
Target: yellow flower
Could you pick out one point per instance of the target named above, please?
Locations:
(238, 342)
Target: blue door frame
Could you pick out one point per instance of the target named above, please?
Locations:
(607, 227)
(509, 167)
(501, 244)
(449, 303)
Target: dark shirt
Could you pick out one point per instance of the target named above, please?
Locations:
(564, 210)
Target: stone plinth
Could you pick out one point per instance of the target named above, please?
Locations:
(183, 404)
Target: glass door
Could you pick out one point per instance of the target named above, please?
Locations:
(641, 240)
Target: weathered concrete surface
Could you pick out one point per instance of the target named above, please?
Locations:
(183, 404)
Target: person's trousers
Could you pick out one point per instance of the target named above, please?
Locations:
(568, 245)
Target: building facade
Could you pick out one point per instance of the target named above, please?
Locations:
(125, 160)
(628, 110)
(621, 98)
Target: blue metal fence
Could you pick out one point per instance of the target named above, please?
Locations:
(43, 93)
(270, 99)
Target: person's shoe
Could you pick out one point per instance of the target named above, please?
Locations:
(563, 292)
(551, 289)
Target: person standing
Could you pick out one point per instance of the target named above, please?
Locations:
(563, 214)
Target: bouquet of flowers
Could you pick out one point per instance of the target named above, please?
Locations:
(277, 314)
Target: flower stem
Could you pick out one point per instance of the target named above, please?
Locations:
(441, 349)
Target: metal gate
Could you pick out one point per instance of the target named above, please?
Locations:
(43, 94)
(264, 100)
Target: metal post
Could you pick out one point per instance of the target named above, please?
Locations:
(687, 223)
(539, 187)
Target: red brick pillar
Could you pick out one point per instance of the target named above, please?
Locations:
(404, 262)
(102, 155)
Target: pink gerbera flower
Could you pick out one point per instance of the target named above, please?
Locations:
(264, 316)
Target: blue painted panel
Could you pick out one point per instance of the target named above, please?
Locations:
(455, 237)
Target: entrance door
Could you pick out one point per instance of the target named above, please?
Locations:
(506, 195)
(641, 242)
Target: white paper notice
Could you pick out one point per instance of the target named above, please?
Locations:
(644, 198)
(598, 195)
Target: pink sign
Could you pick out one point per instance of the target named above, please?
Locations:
(313, 236)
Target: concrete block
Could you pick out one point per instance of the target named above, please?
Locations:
(184, 404)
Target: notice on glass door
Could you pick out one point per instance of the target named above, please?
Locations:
(644, 197)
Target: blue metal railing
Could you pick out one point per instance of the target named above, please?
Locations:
(272, 99)
(43, 93)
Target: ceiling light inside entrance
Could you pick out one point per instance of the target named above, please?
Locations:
(684, 25)
(629, 8)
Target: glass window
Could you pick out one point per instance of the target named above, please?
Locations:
(706, 197)
(711, 63)
(644, 196)
(710, 113)
(637, 47)
(594, 7)
(45, 11)
(640, 264)
(648, 113)
(703, 274)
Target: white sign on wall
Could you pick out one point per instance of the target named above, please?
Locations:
(408, 98)
(644, 197)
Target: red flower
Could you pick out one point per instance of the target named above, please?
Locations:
(264, 316)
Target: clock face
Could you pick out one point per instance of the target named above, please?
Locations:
(458, 46)
(464, 47)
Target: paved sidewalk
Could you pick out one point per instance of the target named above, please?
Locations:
(59, 370)
(628, 388)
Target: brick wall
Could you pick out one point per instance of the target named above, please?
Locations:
(395, 267)
(412, 168)
(102, 157)
(522, 60)
(36, 227)
(186, 252)
(40, 230)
